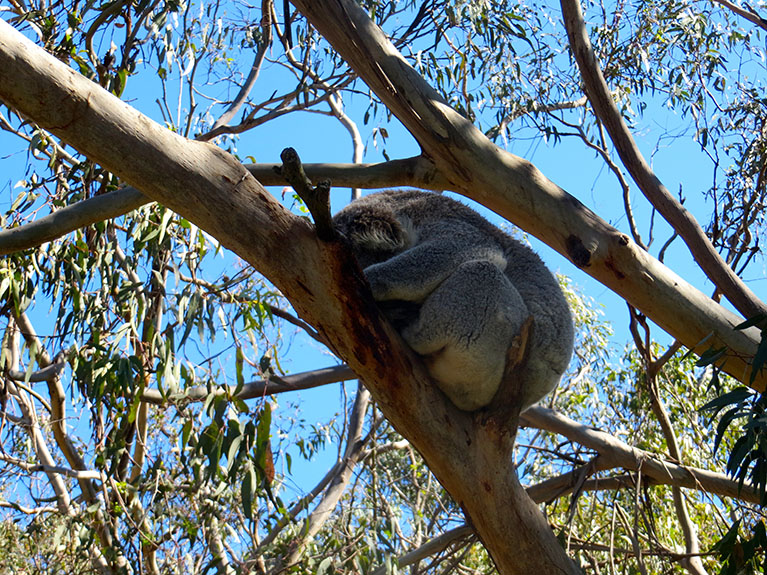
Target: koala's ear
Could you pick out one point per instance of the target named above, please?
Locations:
(380, 232)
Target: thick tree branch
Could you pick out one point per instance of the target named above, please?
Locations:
(517, 190)
(595, 86)
(70, 218)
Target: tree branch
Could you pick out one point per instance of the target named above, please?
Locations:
(749, 15)
(255, 389)
(470, 456)
(263, 45)
(338, 483)
(595, 86)
(615, 453)
(431, 547)
(417, 171)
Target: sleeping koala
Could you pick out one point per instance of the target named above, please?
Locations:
(459, 290)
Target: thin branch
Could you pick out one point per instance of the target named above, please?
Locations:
(431, 547)
(336, 105)
(27, 510)
(254, 389)
(63, 441)
(536, 107)
(57, 469)
(337, 486)
(334, 101)
(57, 403)
(330, 477)
(264, 43)
(53, 370)
(675, 213)
(693, 563)
(70, 218)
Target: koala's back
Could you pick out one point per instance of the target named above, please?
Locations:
(459, 233)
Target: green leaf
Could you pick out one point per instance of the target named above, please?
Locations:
(325, 565)
(248, 490)
(737, 395)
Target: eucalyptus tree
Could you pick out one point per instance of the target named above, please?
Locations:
(151, 286)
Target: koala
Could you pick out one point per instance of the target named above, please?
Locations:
(459, 290)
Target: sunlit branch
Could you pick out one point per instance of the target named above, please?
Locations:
(336, 105)
(334, 479)
(264, 44)
(57, 469)
(33, 393)
(337, 485)
(334, 101)
(70, 218)
(57, 402)
(63, 441)
(32, 427)
(644, 345)
(431, 547)
(52, 370)
(536, 107)
(27, 510)
(749, 14)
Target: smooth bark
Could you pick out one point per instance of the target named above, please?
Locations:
(417, 171)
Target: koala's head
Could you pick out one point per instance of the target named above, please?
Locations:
(375, 232)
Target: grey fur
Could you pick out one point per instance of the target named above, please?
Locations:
(459, 289)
